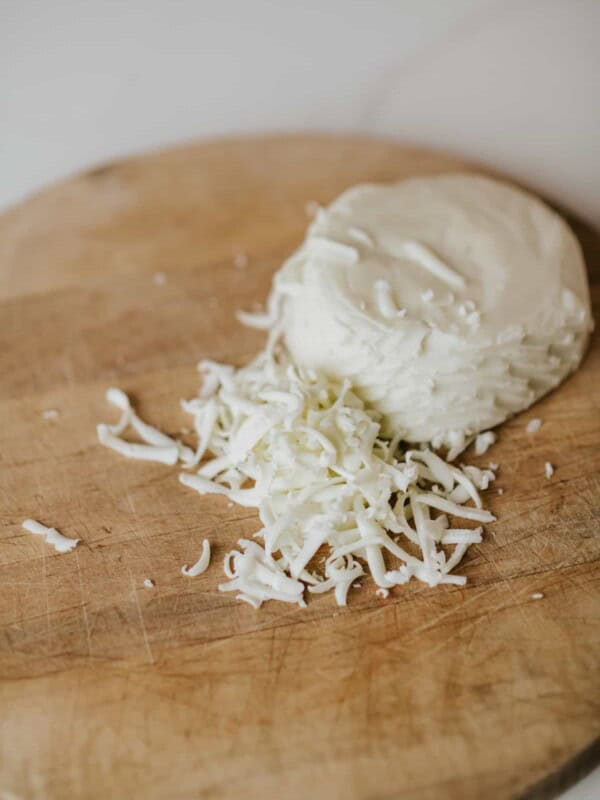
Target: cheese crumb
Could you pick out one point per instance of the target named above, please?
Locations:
(483, 442)
(148, 583)
(548, 470)
(537, 596)
(50, 413)
(533, 425)
(384, 593)
(61, 543)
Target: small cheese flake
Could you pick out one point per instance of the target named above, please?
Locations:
(148, 583)
(383, 593)
(201, 565)
(159, 279)
(493, 466)
(537, 596)
(50, 414)
(548, 470)
(483, 442)
(533, 425)
(61, 543)
(500, 491)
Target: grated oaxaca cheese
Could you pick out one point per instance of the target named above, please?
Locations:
(62, 544)
(306, 452)
(201, 565)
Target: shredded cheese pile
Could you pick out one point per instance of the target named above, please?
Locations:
(330, 493)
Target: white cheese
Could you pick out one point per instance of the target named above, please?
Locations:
(148, 583)
(516, 325)
(307, 453)
(257, 577)
(291, 437)
(143, 452)
(548, 470)
(533, 425)
(323, 477)
(201, 565)
(158, 446)
(61, 543)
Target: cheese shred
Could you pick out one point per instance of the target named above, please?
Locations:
(201, 565)
(62, 544)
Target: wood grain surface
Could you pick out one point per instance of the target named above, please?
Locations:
(113, 690)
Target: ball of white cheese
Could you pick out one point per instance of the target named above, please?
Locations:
(451, 302)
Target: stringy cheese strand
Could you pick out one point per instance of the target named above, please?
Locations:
(201, 565)
(143, 452)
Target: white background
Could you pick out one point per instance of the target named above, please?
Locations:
(515, 83)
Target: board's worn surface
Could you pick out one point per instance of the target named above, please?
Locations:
(110, 689)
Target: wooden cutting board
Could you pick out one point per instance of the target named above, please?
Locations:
(113, 690)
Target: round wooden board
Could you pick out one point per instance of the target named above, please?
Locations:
(113, 690)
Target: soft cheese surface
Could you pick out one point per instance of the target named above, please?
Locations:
(451, 302)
